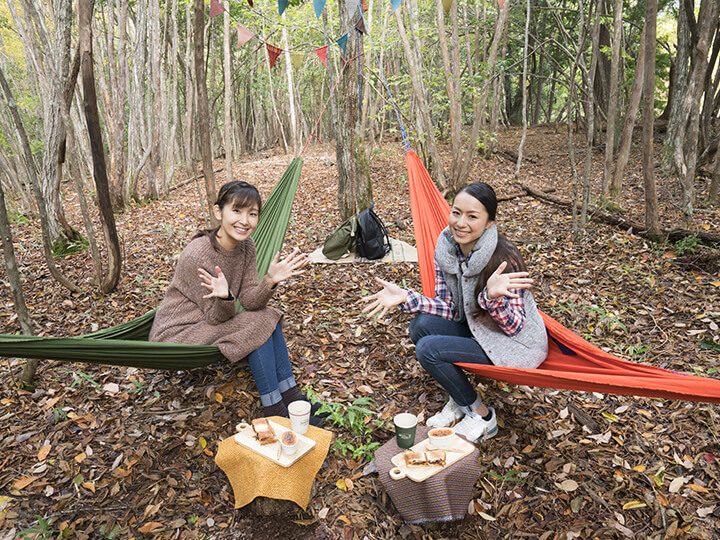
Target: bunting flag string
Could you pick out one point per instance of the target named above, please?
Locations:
(322, 54)
(282, 4)
(318, 5)
(273, 53)
(360, 26)
(395, 4)
(297, 59)
(216, 8)
(447, 4)
(244, 35)
(342, 42)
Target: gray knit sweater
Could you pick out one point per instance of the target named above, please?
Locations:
(529, 347)
(184, 316)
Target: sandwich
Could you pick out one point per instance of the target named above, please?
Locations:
(264, 432)
(418, 459)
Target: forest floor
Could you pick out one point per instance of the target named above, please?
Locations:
(106, 452)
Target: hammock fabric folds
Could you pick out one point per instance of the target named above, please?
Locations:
(126, 344)
(572, 362)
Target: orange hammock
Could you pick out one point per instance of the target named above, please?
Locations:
(572, 362)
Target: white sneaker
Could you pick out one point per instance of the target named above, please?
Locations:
(475, 429)
(449, 414)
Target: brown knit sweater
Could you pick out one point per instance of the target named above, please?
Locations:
(184, 316)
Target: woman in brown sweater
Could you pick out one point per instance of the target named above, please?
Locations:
(217, 268)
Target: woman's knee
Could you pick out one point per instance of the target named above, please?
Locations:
(420, 327)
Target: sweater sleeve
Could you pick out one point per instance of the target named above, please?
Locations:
(253, 293)
(187, 281)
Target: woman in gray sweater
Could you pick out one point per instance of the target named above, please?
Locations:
(217, 268)
(480, 314)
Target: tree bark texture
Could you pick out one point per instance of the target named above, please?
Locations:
(203, 112)
(85, 13)
(651, 203)
(613, 97)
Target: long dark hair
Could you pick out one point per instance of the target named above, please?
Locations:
(505, 250)
(238, 194)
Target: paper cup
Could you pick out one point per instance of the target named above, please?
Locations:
(405, 425)
(299, 416)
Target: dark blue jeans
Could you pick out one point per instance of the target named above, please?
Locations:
(270, 366)
(440, 342)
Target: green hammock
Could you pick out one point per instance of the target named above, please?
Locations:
(126, 344)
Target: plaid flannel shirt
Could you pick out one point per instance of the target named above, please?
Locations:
(508, 313)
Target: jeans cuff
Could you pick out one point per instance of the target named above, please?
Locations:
(470, 409)
(286, 384)
(270, 399)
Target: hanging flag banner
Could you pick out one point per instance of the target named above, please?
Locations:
(297, 59)
(360, 26)
(342, 42)
(216, 8)
(273, 53)
(282, 4)
(319, 5)
(250, 2)
(395, 5)
(364, 4)
(501, 3)
(447, 4)
(322, 54)
(244, 35)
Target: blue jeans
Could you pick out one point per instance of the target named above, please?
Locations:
(270, 366)
(440, 342)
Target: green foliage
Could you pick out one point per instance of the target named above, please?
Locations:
(62, 249)
(687, 245)
(17, 218)
(356, 418)
(709, 345)
(43, 531)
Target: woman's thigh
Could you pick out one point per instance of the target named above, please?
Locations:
(451, 350)
(431, 325)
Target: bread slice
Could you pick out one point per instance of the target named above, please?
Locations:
(264, 432)
(435, 457)
(418, 459)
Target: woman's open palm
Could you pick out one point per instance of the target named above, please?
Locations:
(499, 284)
(388, 297)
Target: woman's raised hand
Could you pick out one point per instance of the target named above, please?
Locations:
(499, 284)
(218, 286)
(389, 296)
(288, 267)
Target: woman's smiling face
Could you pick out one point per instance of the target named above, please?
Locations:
(468, 221)
(236, 224)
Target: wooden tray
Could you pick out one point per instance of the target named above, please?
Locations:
(273, 451)
(423, 472)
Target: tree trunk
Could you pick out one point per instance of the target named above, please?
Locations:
(652, 223)
(85, 12)
(426, 130)
(452, 84)
(203, 118)
(612, 112)
(685, 153)
(32, 171)
(227, 131)
(354, 185)
(524, 90)
(630, 117)
(294, 124)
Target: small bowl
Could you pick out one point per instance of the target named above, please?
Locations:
(442, 436)
(289, 442)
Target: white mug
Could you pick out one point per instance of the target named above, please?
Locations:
(299, 416)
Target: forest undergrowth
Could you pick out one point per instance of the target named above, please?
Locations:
(104, 452)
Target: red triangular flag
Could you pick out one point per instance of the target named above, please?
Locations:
(244, 35)
(501, 3)
(364, 5)
(216, 8)
(322, 54)
(273, 53)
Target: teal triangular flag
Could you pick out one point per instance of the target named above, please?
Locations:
(282, 4)
(319, 6)
(342, 42)
(395, 4)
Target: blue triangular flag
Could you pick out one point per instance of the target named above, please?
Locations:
(342, 42)
(282, 4)
(319, 6)
(395, 4)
